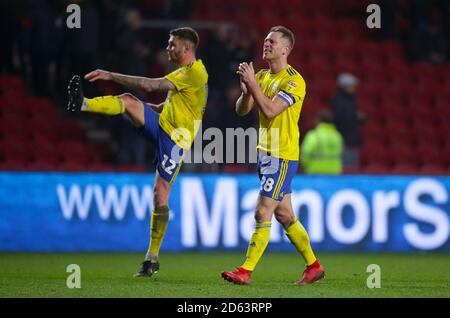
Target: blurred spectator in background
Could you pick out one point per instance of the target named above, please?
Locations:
(231, 120)
(83, 43)
(347, 118)
(217, 58)
(178, 9)
(388, 19)
(10, 30)
(242, 50)
(44, 31)
(131, 48)
(429, 31)
(132, 58)
(224, 51)
(429, 44)
(321, 151)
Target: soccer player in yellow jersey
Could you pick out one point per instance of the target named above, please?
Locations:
(278, 94)
(170, 125)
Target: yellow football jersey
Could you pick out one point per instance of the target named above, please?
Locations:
(185, 104)
(280, 136)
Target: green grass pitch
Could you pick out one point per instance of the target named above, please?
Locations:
(186, 275)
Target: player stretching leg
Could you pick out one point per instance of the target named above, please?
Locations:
(170, 125)
(278, 93)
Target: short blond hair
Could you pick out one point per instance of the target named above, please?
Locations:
(287, 34)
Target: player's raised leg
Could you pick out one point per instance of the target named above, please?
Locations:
(258, 242)
(107, 105)
(158, 225)
(300, 239)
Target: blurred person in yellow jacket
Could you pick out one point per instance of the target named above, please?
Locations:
(322, 148)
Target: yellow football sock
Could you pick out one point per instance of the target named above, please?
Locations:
(299, 237)
(108, 105)
(257, 245)
(160, 218)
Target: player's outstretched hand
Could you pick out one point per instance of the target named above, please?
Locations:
(98, 75)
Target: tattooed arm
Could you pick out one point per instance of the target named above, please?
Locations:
(132, 82)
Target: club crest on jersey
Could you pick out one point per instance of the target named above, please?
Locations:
(275, 86)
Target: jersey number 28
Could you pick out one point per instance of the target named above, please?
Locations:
(267, 184)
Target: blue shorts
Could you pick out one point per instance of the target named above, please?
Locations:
(275, 175)
(169, 156)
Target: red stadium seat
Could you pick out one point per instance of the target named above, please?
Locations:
(431, 84)
(74, 151)
(426, 134)
(13, 84)
(317, 57)
(17, 136)
(323, 87)
(43, 123)
(73, 166)
(397, 114)
(376, 168)
(373, 57)
(443, 72)
(400, 88)
(370, 75)
(70, 130)
(101, 167)
(47, 112)
(429, 154)
(394, 127)
(433, 169)
(12, 150)
(391, 47)
(12, 122)
(45, 152)
(313, 68)
(403, 154)
(10, 108)
(398, 71)
(372, 128)
(445, 154)
(13, 165)
(423, 116)
(375, 153)
(346, 66)
(42, 166)
(393, 98)
(130, 168)
(423, 70)
(338, 48)
(399, 138)
(351, 170)
(376, 117)
(372, 134)
(43, 133)
(367, 103)
(442, 108)
(443, 130)
(405, 169)
(395, 57)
